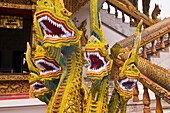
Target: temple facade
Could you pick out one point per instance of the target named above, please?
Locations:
(16, 29)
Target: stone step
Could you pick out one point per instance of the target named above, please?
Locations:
(164, 57)
(116, 23)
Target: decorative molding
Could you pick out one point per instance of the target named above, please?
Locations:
(71, 5)
(17, 6)
(10, 77)
(28, 2)
(14, 84)
(14, 87)
(13, 22)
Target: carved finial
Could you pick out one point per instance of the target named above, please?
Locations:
(156, 12)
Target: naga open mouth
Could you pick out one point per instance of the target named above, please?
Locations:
(49, 68)
(127, 84)
(38, 87)
(53, 28)
(97, 62)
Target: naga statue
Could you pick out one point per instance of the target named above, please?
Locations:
(45, 71)
(100, 64)
(56, 68)
(127, 77)
(56, 65)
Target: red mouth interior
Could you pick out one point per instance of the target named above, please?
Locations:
(38, 86)
(46, 67)
(54, 30)
(128, 84)
(96, 63)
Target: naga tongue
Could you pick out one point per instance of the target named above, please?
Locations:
(95, 67)
(96, 62)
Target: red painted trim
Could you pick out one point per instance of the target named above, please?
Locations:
(13, 96)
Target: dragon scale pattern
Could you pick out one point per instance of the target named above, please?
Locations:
(67, 97)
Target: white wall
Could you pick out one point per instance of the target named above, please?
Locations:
(81, 15)
(111, 36)
(22, 106)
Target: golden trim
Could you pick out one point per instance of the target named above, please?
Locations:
(11, 22)
(14, 87)
(10, 77)
(14, 83)
(17, 6)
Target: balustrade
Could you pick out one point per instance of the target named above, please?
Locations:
(146, 100)
(158, 105)
(150, 48)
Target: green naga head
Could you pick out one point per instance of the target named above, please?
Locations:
(53, 25)
(96, 49)
(129, 72)
(46, 65)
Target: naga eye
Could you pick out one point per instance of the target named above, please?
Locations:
(45, 3)
(133, 66)
(65, 12)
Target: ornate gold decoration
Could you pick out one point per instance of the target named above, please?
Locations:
(13, 22)
(13, 77)
(17, 6)
(72, 5)
(14, 87)
(28, 2)
(14, 84)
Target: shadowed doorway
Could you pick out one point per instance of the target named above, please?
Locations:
(13, 45)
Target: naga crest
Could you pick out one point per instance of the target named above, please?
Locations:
(96, 48)
(129, 72)
(53, 25)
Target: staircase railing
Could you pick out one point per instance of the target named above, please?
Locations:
(127, 8)
(153, 77)
(158, 36)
